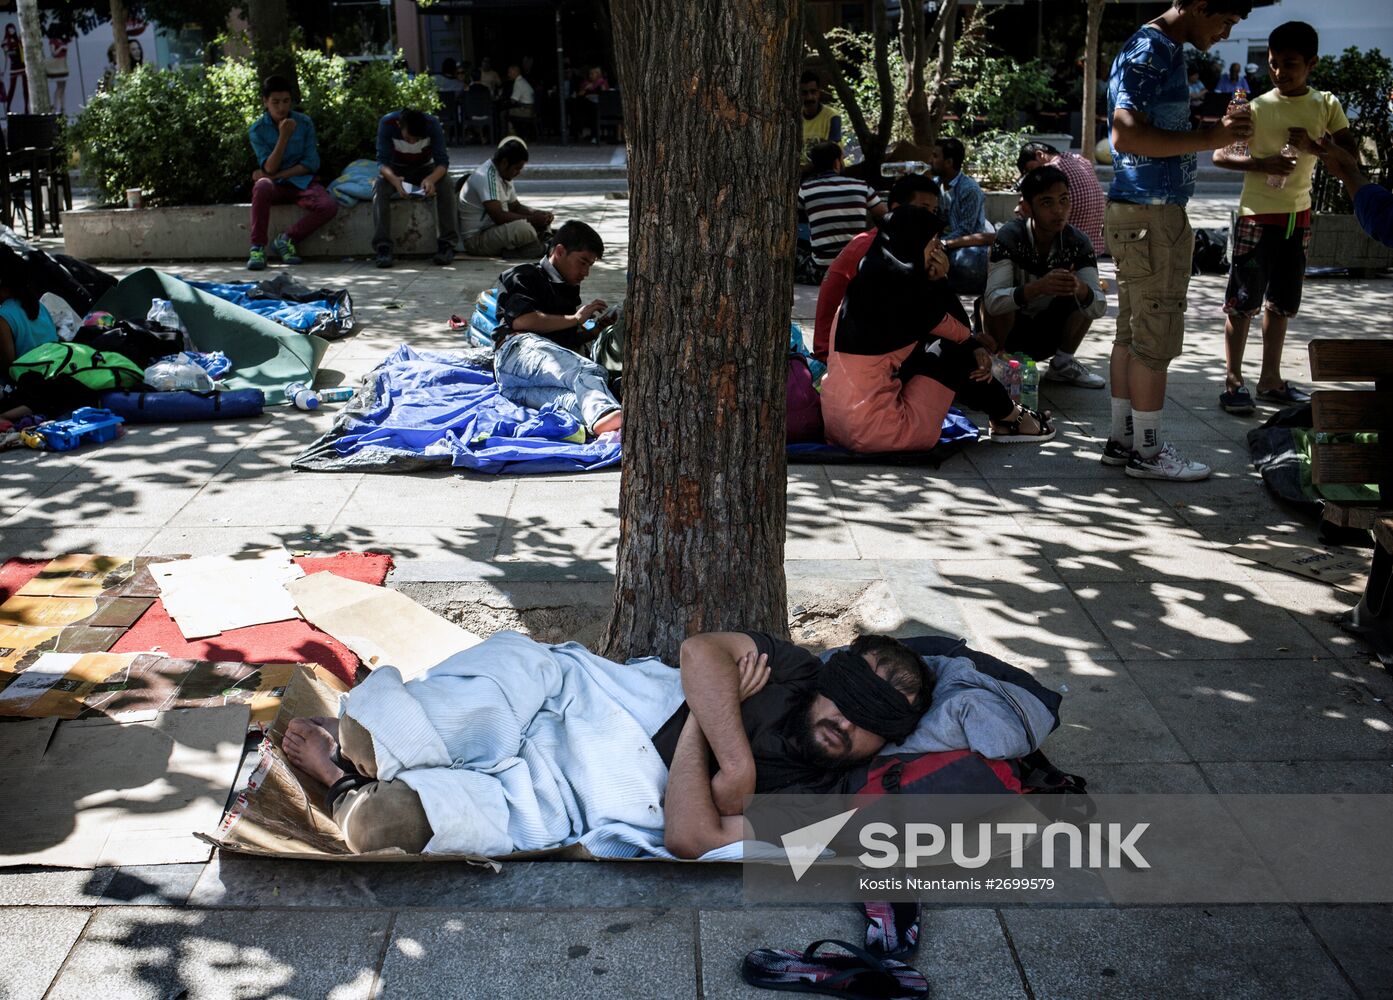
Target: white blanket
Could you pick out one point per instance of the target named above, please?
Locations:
(513, 745)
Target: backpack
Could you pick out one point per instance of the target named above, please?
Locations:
(804, 403)
(98, 371)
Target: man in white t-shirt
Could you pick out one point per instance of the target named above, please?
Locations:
(522, 99)
(492, 219)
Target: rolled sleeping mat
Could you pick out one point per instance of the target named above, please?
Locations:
(183, 406)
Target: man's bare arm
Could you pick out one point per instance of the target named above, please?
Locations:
(693, 826)
(1132, 132)
(711, 682)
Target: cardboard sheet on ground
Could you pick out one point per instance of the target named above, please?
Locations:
(133, 687)
(215, 594)
(264, 354)
(93, 792)
(1342, 569)
(382, 626)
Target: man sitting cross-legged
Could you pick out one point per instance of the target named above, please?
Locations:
(1042, 287)
(513, 745)
(541, 333)
(494, 221)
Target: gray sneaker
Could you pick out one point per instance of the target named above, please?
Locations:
(1166, 464)
(1075, 372)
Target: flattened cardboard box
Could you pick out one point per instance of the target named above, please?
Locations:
(94, 792)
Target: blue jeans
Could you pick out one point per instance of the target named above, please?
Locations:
(534, 371)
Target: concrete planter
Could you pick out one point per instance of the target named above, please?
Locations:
(1337, 241)
(220, 232)
(1001, 206)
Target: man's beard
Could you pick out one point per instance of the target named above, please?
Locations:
(803, 732)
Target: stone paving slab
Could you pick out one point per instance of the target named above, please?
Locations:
(1360, 938)
(1180, 953)
(963, 952)
(39, 942)
(605, 956)
(143, 953)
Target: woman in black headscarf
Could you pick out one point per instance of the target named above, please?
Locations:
(902, 350)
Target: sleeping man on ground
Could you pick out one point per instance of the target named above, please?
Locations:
(543, 330)
(516, 746)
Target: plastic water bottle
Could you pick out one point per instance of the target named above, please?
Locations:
(341, 394)
(302, 396)
(1030, 386)
(1013, 387)
(1237, 103)
(1288, 152)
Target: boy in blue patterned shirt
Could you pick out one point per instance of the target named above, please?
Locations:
(1146, 228)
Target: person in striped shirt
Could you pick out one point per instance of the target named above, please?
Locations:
(834, 207)
(1086, 199)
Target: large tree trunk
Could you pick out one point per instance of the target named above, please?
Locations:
(1087, 128)
(120, 40)
(31, 36)
(702, 497)
(270, 38)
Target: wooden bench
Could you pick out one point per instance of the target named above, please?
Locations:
(1351, 411)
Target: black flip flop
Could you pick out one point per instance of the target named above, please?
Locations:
(857, 975)
(892, 929)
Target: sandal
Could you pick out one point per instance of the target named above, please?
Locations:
(1011, 433)
(892, 929)
(857, 975)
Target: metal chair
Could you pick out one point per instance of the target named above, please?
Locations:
(610, 113)
(478, 113)
(32, 141)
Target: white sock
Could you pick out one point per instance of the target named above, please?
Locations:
(1121, 421)
(1060, 359)
(1148, 430)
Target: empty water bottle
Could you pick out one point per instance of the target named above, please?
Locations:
(1288, 152)
(339, 394)
(1237, 103)
(1030, 386)
(302, 396)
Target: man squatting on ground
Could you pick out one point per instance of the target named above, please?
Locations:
(761, 715)
(1147, 230)
(1042, 287)
(287, 157)
(494, 221)
(541, 333)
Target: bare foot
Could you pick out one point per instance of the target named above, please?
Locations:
(612, 421)
(309, 746)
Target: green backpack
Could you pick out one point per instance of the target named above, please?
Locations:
(100, 371)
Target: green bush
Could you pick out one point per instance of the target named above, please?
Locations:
(991, 158)
(1363, 82)
(180, 134)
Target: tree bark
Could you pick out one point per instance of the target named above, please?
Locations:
(946, 31)
(1087, 128)
(31, 36)
(120, 40)
(914, 47)
(703, 491)
(270, 38)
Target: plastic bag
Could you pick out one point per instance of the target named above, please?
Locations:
(178, 372)
(163, 316)
(65, 320)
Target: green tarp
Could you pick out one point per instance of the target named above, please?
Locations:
(264, 354)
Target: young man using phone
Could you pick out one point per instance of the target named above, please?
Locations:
(542, 332)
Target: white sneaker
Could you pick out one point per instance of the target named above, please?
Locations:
(1075, 372)
(1166, 464)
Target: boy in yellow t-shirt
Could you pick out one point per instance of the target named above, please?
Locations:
(1274, 212)
(820, 123)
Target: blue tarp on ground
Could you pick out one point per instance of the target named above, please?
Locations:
(322, 317)
(441, 408)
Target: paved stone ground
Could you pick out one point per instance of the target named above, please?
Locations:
(1187, 669)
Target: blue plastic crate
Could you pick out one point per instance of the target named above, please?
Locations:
(87, 425)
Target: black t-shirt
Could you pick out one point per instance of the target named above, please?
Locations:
(538, 288)
(769, 718)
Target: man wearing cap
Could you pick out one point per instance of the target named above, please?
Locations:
(760, 715)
